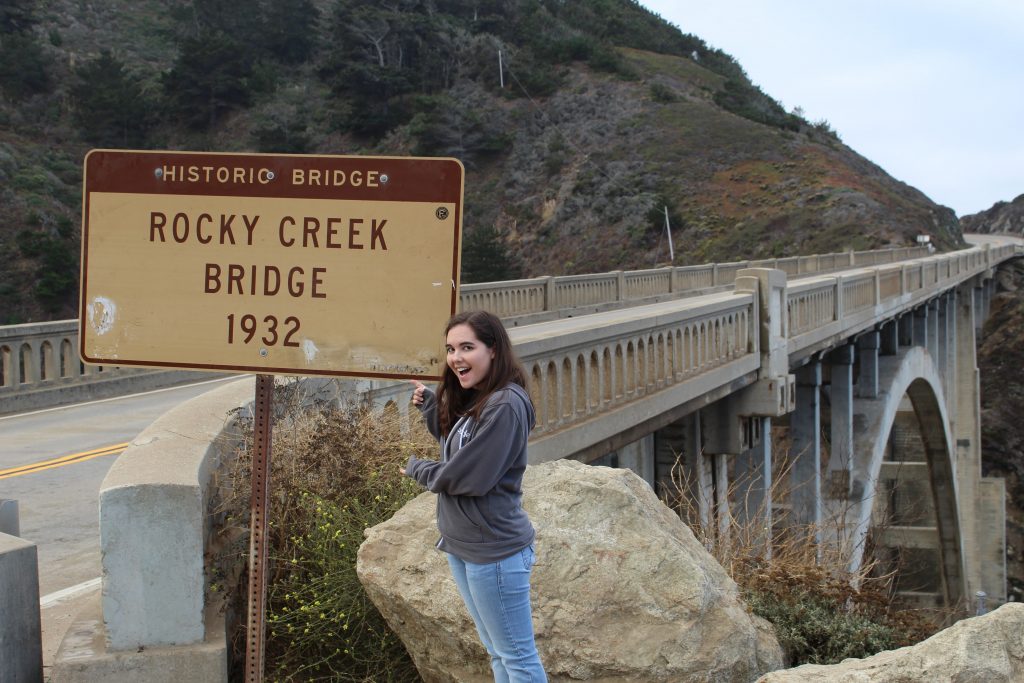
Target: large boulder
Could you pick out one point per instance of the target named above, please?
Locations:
(622, 591)
(985, 649)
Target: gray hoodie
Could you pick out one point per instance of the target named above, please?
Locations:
(478, 480)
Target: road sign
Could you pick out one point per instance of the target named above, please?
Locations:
(282, 264)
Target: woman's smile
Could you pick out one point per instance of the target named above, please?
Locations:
(468, 357)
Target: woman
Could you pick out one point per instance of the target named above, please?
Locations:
(482, 416)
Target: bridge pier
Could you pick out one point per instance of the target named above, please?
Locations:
(867, 378)
(805, 436)
(753, 483)
(933, 330)
(950, 357)
(889, 338)
(840, 461)
(920, 327)
(906, 329)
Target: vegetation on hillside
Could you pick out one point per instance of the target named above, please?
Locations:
(602, 116)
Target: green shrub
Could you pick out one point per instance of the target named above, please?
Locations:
(820, 619)
(334, 472)
(320, 623)
(662, 93)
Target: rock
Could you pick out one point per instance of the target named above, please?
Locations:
(986, 649)
(622, 591)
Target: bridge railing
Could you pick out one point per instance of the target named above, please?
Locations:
(44, 355)
(41, 353)
(600, 366)
(516, 298)
(817, 306)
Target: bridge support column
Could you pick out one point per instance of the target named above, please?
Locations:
(867, 380)
(805, 432)
(724, 437)
(840, 461)
(988, 288)
(942, 338)
(921, 326)
(684, 474)
(889, 339)
(906, 329)
(949, 374)
(933, 330)
(754, 485)
(979, 308)
(967, 426)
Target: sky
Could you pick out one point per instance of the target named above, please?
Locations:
(930, 90)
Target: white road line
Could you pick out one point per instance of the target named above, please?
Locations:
(69, 593)
(119, 398)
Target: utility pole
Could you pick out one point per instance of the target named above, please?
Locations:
(501, 71)
(668, 230)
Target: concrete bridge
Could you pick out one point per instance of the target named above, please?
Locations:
(868, 358)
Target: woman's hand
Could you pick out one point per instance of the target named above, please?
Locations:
(401, 470)
(417, 394)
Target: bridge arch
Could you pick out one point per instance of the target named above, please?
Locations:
(914, 374)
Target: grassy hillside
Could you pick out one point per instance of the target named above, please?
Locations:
(607, 116)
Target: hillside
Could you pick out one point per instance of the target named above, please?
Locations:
(1005, 218)
(607, 116)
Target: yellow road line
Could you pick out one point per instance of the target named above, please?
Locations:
(63, 460)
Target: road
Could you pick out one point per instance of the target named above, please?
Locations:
(58, 502)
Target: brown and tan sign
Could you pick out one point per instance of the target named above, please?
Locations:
(329, 265)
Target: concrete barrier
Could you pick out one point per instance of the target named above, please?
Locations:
(21, 651)
(9, 517)
(154, 527)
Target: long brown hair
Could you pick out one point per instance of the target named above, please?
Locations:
(452, 400)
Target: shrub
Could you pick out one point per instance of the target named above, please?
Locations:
(662, 93)
(820, 619)
(334, 472)
(822, 612)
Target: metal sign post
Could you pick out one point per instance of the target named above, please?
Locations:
(258, 553)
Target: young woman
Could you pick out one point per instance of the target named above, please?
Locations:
(482, 416)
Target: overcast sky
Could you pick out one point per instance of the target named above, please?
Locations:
(930, 90)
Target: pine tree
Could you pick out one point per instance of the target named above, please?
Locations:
(109, 106)
(290, 32)
(485, 258)
(17, 17)
(210, 77)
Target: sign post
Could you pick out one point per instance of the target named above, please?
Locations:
(258, 552)
(269, 264)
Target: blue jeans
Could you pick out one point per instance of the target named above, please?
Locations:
(497, 596)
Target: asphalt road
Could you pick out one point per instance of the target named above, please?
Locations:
(59, 506)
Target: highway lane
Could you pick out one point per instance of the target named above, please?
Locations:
(59, 505)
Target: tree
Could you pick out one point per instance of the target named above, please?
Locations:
(290, 32)
(17, 17)
(22, 66)
(485, 258)
(210, 77)
(382, 54)
(109, 106)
